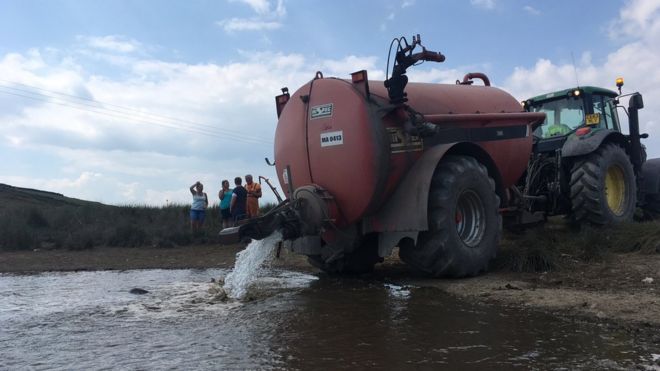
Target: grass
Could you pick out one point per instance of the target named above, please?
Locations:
(552, 246)
(31, 219)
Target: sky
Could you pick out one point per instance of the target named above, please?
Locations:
(131, 102)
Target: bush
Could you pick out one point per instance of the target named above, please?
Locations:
(556, 244)
(528, 253)
(15, 233)
(36, 219)
(79, 240)
(128, 235)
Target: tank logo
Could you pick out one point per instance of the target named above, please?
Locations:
(324, 110)
(332, 138)
(401, 142)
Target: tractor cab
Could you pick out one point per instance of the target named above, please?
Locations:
(567, 111)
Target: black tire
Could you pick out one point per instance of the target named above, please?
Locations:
(451, 247)
(603, 187)
(361, 260)
(652, 207)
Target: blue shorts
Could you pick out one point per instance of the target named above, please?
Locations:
(197, 215)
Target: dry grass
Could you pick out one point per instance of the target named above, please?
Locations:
(551, 246)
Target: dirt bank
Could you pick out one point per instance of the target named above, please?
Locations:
(624, 289)
(616, 290)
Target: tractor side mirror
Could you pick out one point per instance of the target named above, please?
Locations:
(636, 102)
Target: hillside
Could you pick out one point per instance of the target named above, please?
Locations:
(35, 219)
(16, 197)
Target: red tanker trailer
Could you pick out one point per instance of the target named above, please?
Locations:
(370, 165)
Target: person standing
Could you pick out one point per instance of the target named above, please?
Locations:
(253, 194)
(198, 209)
(225, 195)
(238, 201)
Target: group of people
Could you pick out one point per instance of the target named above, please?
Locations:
(236, 204)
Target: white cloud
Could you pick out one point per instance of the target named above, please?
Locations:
(268, 17)
(483, 4)
(531, 10)
(259, 6)
(635, 18)
(113, 43)
(407, 3)
(245, 24)
(117, 151)
(636, 61)
(265, 7)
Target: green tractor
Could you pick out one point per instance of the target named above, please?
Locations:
(583, 165)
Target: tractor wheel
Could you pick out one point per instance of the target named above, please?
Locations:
(464, 221)
(361, 260)
(603, 189)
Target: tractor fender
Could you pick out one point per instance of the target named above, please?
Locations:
(583, 145)
(651, 177)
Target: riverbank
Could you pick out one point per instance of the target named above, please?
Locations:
(119, 258)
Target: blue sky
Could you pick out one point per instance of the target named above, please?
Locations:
(132, 101)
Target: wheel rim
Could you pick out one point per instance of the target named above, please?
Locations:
(615, 189)
(470, 218)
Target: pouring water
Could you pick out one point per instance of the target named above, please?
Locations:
(248, 265)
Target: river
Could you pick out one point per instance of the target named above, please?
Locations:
(89, 320)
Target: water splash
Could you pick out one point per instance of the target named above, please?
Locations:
(248, 263)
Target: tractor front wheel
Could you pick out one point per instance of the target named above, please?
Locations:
(464, 221)
(603, 189)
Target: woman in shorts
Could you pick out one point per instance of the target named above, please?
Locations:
(198, 209)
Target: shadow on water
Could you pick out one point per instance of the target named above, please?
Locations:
(297, 321)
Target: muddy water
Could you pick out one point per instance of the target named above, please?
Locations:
(89, 320)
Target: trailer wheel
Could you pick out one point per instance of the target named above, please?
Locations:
(361, 260)
(464, 221)
(603, 189)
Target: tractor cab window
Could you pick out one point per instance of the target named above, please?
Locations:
(605, 107)
(562, 117)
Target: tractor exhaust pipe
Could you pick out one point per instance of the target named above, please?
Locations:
(634, 105)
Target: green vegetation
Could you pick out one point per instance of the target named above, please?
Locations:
(31, 219)
(552, 246)
(86, 226)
